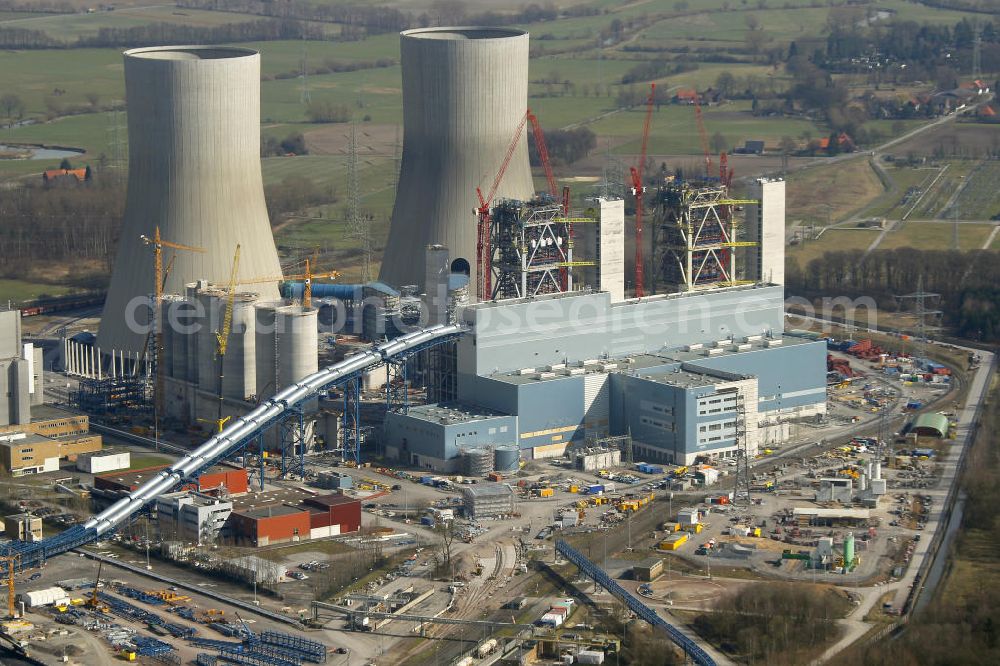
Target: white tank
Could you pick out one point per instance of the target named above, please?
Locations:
(240, 378)
(264, 347)
(297, 336)
(194, 172)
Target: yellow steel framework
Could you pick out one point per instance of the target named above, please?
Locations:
(157, 243)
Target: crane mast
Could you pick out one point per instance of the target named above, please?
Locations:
(638, 189)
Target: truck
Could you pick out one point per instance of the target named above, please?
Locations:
(486, 648)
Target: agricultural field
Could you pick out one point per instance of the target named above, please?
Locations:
(832, 240)
(939, 235)
(980, 197)
(23, 290)
(828, 194)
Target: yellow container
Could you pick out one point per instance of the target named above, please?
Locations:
(128, 656)
(673, 543)
(756, 531)
(697, 528)
(546, 492)
(574, 489)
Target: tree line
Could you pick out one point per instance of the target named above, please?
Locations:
(160, 33)
(563, 146)
(968, 282)
(774, 623)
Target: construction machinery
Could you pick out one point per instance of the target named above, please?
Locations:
(638, 188)
(307, 279)
(12, 562)
(222, 335)
(702, 134)
(158, 244)
(483, 253)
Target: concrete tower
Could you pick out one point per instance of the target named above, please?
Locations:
(465, 90)
(194, 170)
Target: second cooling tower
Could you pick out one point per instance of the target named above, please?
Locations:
(465, 91)
(194, 171)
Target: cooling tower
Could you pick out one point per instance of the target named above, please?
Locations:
(465, 91)
(194, 171)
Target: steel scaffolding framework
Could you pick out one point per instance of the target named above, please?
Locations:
(741, 491)
(696, 233)
(531, 249)
(111, 396)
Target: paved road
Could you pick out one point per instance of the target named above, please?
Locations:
(854, 623)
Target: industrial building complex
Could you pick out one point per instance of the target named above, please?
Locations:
(412, 442)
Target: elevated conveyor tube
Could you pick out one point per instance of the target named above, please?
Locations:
(225, 443)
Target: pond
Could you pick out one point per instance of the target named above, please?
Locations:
(28, 152)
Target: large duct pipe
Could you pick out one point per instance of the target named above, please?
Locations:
(465, 91)
(194, 171)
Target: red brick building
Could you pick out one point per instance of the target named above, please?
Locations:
(268, 525)
(330, 515)
(210, 481)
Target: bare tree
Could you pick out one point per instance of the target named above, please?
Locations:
(13, 108)
(446, 532)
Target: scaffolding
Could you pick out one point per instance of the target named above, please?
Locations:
(531, 249)
(696, 235)
(111, 396)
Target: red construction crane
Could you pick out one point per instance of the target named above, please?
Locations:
(543, 154)
(483, 287)
(637, 190)
(702, 134)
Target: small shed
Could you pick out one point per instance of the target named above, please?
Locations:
(930, 425)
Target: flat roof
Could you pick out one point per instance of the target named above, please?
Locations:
(333, 499)
(29, 438)
(252, 501)
(756, 343)
(270, 511)
(832, 513)
(134, 476)
(487, 490)
(451, 413)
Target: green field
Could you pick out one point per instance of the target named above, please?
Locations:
(830, 193)
(21, 290)
(833, 240)
(936, 235)
(980, 198)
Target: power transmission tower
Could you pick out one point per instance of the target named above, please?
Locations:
(397, 149)
(977, 56)
(920, 299)
(117, 145)
(359, 228)
(741, 492)
(305, 98)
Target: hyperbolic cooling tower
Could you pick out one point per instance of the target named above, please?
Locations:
(194, 170)
(465, 91)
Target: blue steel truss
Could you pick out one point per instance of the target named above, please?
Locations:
(644, 612)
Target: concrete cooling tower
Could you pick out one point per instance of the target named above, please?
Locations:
(194, 170)
(465, 90)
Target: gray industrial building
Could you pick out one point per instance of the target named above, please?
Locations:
(683, 372)
(465, 92)
(21, 372)
(190, 516)
(194, 172)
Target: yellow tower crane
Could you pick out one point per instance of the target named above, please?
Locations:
(158, 244)
(11, 561)
(306, 277)
(222, 335)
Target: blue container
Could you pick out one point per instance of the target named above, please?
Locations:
(595, 489)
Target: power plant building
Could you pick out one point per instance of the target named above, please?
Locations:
(465, 93)
(687, 373)
(194, 172)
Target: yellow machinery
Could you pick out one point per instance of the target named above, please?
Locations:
(12, 562)
(222, 335)
(219, 423)
(158, 244)
(306, 277)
